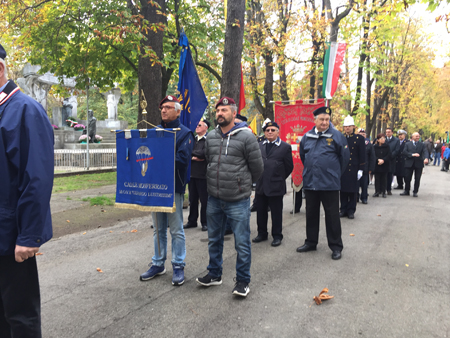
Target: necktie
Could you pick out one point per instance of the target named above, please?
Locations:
(319, 133)
(414, 142)
(269, 147)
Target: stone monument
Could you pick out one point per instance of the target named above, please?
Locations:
(66, 111)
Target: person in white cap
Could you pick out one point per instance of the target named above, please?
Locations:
(354, 170)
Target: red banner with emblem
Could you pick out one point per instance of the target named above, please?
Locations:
(294, 121)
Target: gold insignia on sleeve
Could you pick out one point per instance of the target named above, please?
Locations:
(329, 140)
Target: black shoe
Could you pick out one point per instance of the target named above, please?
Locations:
(259, 238)
(336, 255)
(443, 170)
(204, 228)
(294, 212)
(253, 208)
(342, 214)
(189, 225)
(228, 232)
(398, 188)
(306, 248)
(384, 195)
(276, 242)
(364, 201)
(351, 216)
(376, 194)
(208, 280)
(415, 194)
(389, 193)
(405, 193)
(241, 289)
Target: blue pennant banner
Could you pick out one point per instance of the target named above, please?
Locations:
(146, 170)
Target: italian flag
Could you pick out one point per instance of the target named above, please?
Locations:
(332, 67)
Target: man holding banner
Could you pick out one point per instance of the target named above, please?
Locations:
(234, 163)
(170, 111)
(324, 153)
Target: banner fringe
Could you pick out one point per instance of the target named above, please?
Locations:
(145, 208)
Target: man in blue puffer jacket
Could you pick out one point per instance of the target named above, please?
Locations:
(324, 153)
(26, 181)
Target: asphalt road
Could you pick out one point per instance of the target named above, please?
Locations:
(392, 281)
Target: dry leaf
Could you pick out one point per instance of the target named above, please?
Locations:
(68, 221)
(407, 265)
(111, 231)
(39, 253)
(352, 234)
(84, 233)
(99, 270)
(134, 230)
(103, 210)
(322, 296)
(379, 215)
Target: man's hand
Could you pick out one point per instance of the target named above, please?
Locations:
(195, 158)
(425, 161)
(23, 252)
(416, 155)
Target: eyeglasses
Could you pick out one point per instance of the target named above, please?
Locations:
(271, 130)
(167, 107)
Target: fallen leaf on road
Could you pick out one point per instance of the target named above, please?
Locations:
(379, 215)
(111, 231)
(407, 265)
(352, 234)
(84, 233)
(103, 210)
(68, 221)
(99, 270)
(322, 296)
(39, 253)
(134, 230)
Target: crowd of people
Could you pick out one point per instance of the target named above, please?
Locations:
(225, 163)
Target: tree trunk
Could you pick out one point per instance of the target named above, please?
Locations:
(234, 35)
(268, 86)
(150, 79)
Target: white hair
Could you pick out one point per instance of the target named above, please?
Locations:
(233, 107)
(6, 70)
(177, 106)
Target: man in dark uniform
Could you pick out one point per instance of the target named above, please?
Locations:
(354, 170)
(324, 153)
(394, 144)
(271, 187)
(369, 167)
(416, 155)
(197, 184)
(26, 181)
(400, 160)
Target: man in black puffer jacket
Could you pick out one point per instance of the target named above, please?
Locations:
(234, 163)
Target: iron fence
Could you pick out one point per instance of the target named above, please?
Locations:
(76, 159)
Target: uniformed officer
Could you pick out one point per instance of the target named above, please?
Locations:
(354, 170)
(324, 153)
(271, 187)
(369, 167)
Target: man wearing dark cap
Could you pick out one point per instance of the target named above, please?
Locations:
(197, 184)
(271, 187)
(26, 181)
(324, 153)
(170, 112)
(234, 163)
(400, 160)
(369, 167)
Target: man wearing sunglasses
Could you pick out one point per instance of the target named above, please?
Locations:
(271, 187)
(197, 184)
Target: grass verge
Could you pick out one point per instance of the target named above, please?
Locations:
(83, 182)
(100, 200)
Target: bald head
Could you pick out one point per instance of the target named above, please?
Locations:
(415, 137)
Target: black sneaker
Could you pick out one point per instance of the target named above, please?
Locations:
(241, 289)
(208, 280)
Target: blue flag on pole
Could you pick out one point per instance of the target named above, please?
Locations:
(192, 97)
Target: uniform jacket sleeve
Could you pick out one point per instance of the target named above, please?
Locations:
(343, 151)
(395, 149)
(371, 159)
(361, 152)
(31, 152)
(184, 151)
(254, 158)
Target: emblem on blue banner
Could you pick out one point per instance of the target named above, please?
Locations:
(143, 156)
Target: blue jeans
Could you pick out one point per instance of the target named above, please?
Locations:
(175, 222)
(238, 214)
(437, 157)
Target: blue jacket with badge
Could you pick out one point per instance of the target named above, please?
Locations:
(184, 146)
(324, 158)
(26, 173)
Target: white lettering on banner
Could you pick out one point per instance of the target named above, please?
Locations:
(145, 185)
